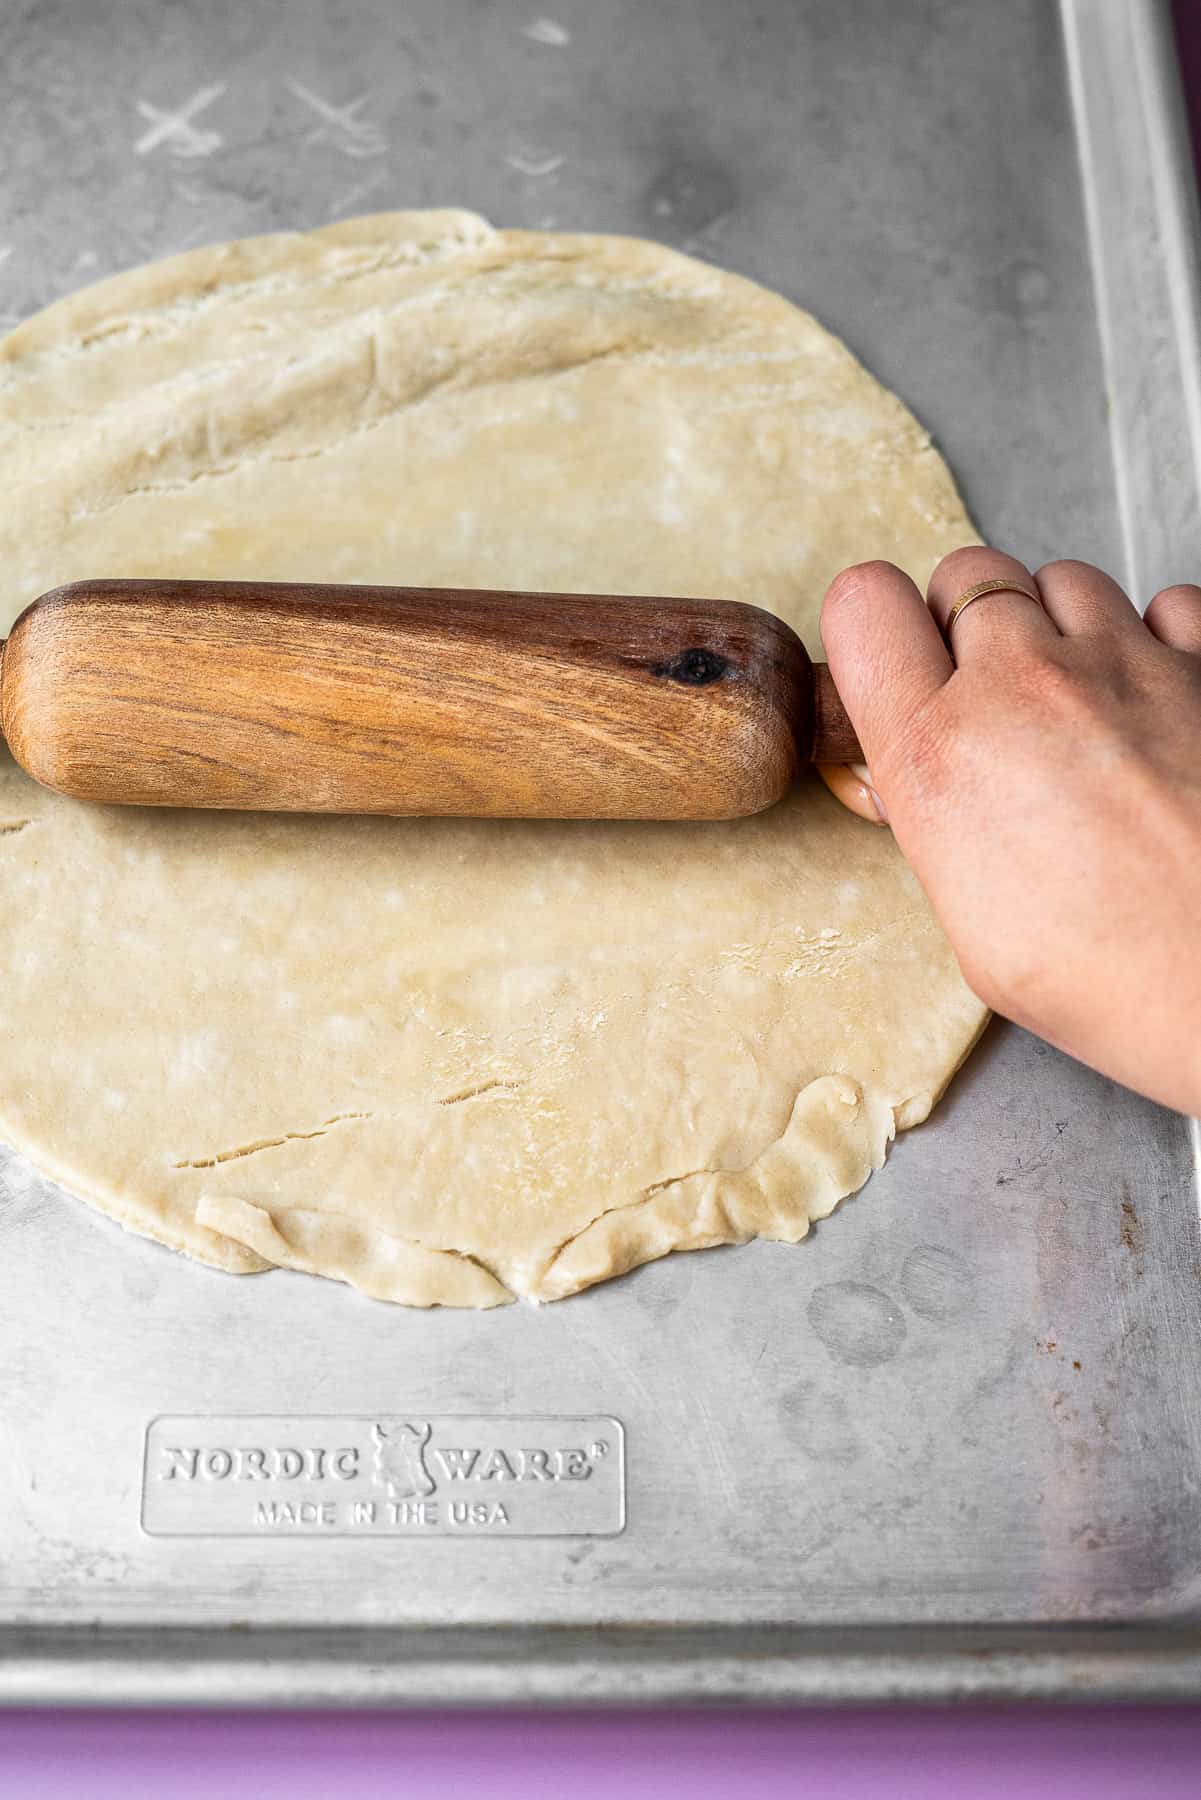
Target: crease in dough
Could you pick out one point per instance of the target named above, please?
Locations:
(456, 383)
(238, 1151)
(496, 1085)
(194, 280)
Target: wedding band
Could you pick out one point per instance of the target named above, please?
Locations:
(1002, 584)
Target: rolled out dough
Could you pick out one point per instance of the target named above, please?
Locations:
(455, 1062)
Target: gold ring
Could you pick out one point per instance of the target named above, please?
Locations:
(1001, 584)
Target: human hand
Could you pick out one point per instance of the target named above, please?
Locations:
(1043, 778)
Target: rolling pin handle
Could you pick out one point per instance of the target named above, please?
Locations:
(834, 739)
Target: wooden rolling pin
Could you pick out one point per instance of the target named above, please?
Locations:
(413, 701)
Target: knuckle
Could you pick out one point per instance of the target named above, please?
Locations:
(1052, 677)
(965, 557)
(849, 586)
(1056, 685)
(1065, 568)
(1181, 598)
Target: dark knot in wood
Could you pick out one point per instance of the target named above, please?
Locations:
(695, 667)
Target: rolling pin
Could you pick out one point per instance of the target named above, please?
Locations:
(413, 701)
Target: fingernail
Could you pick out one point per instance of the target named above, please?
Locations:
(863, 775)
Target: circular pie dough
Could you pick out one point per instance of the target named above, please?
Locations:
(455, 1061)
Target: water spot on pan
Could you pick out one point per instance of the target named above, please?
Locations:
(936, 1283)
(688, 196)
(818, 1424)
(857, 1323)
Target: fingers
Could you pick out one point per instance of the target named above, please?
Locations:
(852, 784)
(996, 625)
(886, 653)
(1084, 601)
(1175, 617)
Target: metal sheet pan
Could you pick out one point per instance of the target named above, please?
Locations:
(1001, 1491)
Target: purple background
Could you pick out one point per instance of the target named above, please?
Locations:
(1008, 1755)
(972, 1754)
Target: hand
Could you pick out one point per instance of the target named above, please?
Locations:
(1043, 777)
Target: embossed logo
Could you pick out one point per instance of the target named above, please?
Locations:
(384, 1475)
(399, 1461)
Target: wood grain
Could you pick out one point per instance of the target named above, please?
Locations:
(419, 701)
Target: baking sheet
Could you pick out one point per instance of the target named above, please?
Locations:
(952, 1443)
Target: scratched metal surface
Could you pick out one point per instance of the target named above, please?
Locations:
(971, 1403)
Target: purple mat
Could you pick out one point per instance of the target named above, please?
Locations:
(1008, 1755)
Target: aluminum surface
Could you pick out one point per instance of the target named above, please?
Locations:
(950, 1445)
